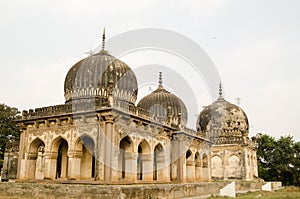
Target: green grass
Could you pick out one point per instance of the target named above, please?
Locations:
(290, 192)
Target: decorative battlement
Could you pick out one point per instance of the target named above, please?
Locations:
(64, 109)
(12, 146)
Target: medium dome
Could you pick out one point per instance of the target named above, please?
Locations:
(223, 118)
(164, 106)
(97, 75)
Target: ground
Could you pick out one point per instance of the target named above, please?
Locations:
(286, 193)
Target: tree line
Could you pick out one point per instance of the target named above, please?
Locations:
(9, 131)
(278, 159)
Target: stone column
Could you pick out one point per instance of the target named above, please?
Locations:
(74, 165)
(31, 165)
(245, 167)
(21, 171)
(198, 172)
(109, 144)
(130, 166)
(99, 150)
(206, 170)
(163, 172)
(178, 159)
(147, 161)
(225, 168)
(50, 165)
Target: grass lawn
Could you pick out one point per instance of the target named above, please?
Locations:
(290, 192)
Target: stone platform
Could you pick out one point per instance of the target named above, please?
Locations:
(86, 190)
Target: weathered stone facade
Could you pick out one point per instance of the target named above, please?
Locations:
(233, 154)
(10, 162)
(99, 134)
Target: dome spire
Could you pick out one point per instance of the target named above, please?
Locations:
(103, 40)
(220, 91)
(160, 80)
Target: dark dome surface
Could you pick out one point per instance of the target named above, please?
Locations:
(93, 76)
(222, 116)
(165, 106)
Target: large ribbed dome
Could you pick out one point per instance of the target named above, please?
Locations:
(223, 118)
(93, 76)
(164, 106)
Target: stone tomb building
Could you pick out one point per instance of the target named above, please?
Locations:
(101, 134)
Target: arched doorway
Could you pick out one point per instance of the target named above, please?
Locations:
(125, 152)
(143, 160)
(87, 162)
(36, 161)
(60, 146)
(158, 157)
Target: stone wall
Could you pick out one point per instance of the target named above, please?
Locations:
(145, 191)
(72, 191)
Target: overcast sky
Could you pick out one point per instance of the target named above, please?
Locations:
(254, 45)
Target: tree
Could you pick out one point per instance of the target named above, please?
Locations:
(278, 160)
(9, 131)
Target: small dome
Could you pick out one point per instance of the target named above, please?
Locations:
(164, 106)
(223, 117)
(99, 74)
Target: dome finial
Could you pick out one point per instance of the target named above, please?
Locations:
(160, 80)
(220, 90)
(103, 39)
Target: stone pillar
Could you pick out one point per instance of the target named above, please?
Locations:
(40, 166)
(108, 149)
(99, 150)
(50, 165)
(163, 172)
(147, 161)
(206, 169)
(178, 159)
(130, 166)
(21, 171)
(190, 170)
(198, 172)
(31, 165)
(74, 165)
(225, 168)
(245, 168)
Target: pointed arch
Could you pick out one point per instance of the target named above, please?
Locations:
(197, 157)
(145, 147)
(188, 155)
(35, 144)
(56, 142)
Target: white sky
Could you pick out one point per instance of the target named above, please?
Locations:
(254, 45)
